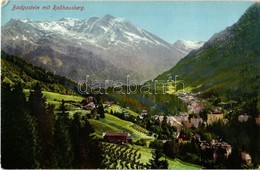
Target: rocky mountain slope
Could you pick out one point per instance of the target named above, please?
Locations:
(102, 47)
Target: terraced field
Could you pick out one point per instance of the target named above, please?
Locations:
(114, 124)
(123, 125)
(101, 127)
(119, 109)
(140, 129)
(140, 158)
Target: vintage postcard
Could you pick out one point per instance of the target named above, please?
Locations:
(130, 84)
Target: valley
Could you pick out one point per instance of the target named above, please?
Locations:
(198, 106)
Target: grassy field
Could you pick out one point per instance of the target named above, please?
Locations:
(101, 127)
(146, 153)
(119, 109)
(173, 163)
(59, 97)
(50, 96)
(183, 88)
(178, 164)
(56, 98)
(123, 125)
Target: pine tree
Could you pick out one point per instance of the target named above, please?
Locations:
(101, 111)
(75, 136)
(87, 149)
(37, 102)
(171, 149)
(111, 112)
(19, 136)
(63, 148)
(44, 115)
(156, 163)
(93, 146)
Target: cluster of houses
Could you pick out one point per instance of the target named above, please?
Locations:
(88, 103)
(170, 120)
(216, 150)
(192, 101)
(194, 121)
(183, 120)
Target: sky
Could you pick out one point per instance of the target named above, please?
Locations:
(170, 20)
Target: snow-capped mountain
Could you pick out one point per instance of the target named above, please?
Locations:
(102, 47)
(106, 31)
(186, 46)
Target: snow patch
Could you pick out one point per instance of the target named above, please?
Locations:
(24, 38)
(191, 44)
(15, 38)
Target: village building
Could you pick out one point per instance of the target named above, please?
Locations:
(246, 158)
(186, 124)
(144, 113)
(196, 121)
(170, 120)
(195, 107)
(87, 100)
(257, 120)
(216, 150)
(182, 117)
(109, 102)
(173, 122)
(243, 118)
(119, 138)
(89, 106)
(182, 138)
(194, 104)
(214, 116)
(88, 103)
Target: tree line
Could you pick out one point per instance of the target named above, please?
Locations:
(33, 136)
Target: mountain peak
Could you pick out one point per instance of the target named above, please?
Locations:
(251, 14)
(247, 21)
(108, 17)
(17, 23)
(187, 45)
(68, 19)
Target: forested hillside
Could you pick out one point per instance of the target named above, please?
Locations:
(228, 62)
(15, 70)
